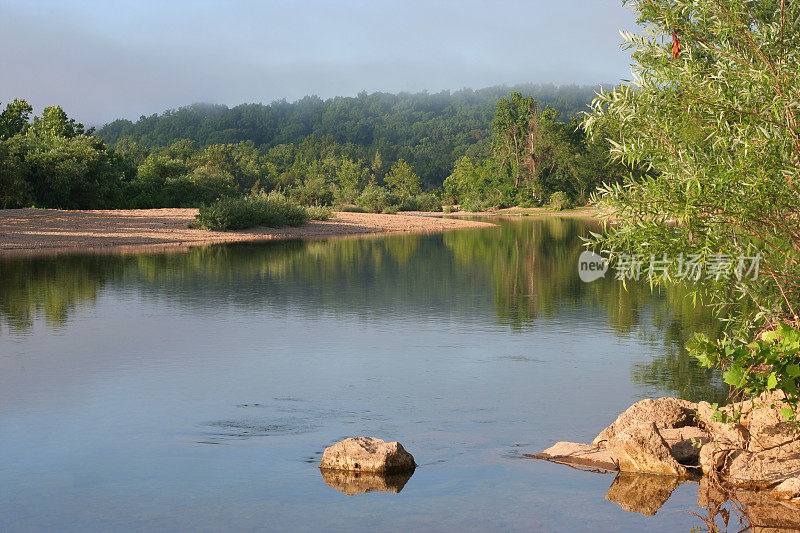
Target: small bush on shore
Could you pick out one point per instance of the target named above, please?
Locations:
(319, 212)
(351, 209)
(375, 199)
(559, 201)
(425, 201)
(272, 210)
(476, 206)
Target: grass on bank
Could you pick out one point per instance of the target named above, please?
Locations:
(273, 210)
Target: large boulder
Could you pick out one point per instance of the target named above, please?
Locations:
(641, 448)
(584, 455)
(788, 489)
(767, 427)
(367, 454)
(663, 412)
(762, 469)
(685, 443)
(729, 434)
(714, 457)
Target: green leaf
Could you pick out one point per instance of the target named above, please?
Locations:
(772, 381)
(733, 376)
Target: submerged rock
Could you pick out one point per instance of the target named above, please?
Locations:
(367, 454)
(641, 493)
(352, 483)
(664, 413)
(573, 453)
(641, 448)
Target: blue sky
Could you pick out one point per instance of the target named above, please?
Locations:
(102, 60)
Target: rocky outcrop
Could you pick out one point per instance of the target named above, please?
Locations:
(762, 469)
(665, 413)
(641, 448)
(352, 483)
(685, 443)
(747, 447)
(725, 434)
(584, 455)
(367, 454)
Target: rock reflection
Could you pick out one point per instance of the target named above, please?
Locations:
(352, 483)
(753, 510)
(641, 493)
(721, 508)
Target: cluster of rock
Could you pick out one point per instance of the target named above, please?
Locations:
(760, 449)
(366, 464)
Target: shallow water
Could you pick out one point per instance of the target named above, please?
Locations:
(166, 392)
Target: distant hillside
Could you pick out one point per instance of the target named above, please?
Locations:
(429, 130)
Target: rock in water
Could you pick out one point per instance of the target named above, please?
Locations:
(367, 454)
(641, 448)
(663, 412)
(573, 453)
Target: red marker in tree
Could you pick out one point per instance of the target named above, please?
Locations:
(676, 45)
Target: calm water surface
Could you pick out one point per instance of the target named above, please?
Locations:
(166, 392)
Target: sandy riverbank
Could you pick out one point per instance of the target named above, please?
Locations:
(30, 231)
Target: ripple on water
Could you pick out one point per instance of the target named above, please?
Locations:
(248, 428)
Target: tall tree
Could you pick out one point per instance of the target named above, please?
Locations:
(14, 119)
(54, 121)
(713, 111)
(516, 134)
(402, 180)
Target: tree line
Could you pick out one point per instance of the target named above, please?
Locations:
(378, 152)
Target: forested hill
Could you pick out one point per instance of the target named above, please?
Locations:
(429, 130)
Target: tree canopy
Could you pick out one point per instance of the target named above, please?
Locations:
(713, 112)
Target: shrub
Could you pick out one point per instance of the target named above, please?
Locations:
(313, 192)
(375, 199)
(409, 204)
(770, 362)
(429, 201)
(319, 212)
(351, 209)
(273, 210)
(202, 186)
(559, 201)
(476, 206)
(390, 209)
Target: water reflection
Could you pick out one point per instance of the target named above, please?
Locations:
(526, 269)
(641, 493)
(352, 483)
(721, 508)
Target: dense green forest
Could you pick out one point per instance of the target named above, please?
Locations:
(430, 131)
(499, 146)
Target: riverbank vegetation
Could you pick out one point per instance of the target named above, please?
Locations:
(272, 210)
(376, 153)
(713, 112)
